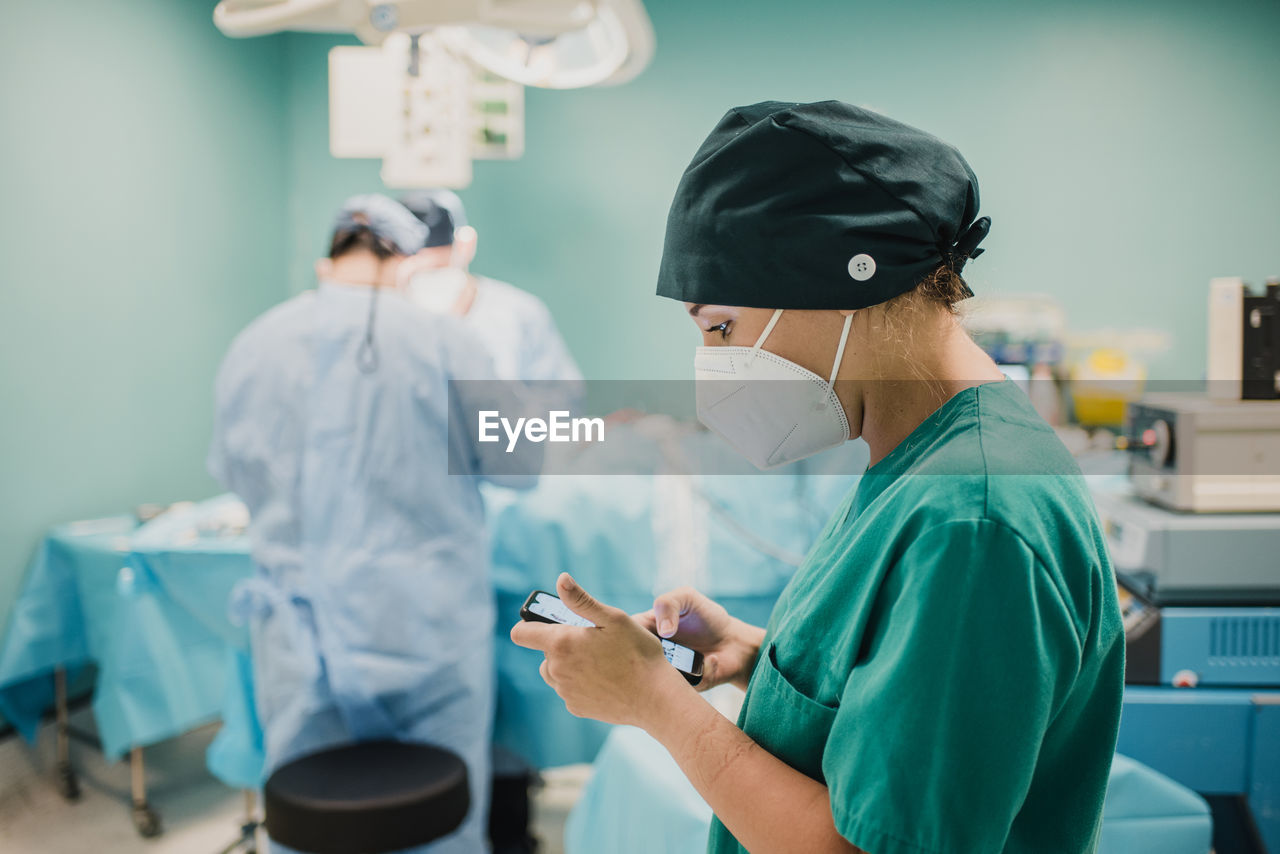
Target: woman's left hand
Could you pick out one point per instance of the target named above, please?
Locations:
(615, 672)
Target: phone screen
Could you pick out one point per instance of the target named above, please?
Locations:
(680, 656)
(553, 608)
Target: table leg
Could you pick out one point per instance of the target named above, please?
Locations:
(250, 829)
(145, 820)
(68, 785)
(248, 841)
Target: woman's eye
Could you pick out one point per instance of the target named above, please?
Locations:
(722, 328)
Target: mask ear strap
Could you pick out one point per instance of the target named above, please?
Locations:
(844, 339)
(773, 321)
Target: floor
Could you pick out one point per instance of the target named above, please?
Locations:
(199, 814)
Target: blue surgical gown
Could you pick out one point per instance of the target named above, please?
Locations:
(372, 614)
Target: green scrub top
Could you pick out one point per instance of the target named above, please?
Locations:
(949, 659)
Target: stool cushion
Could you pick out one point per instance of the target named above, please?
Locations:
(366, 798)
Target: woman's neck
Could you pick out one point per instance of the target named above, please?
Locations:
(900, 400)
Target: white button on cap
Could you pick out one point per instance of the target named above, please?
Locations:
(862, 267)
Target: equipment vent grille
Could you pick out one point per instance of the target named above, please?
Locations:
(1245, 637)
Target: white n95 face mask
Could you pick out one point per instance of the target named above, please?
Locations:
(771, 410)
(438, 290)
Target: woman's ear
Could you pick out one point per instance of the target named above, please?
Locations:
(324, 268)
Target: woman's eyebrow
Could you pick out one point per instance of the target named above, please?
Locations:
(693, 312)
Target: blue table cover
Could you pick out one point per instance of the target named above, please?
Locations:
(638, 801)
(147, 609)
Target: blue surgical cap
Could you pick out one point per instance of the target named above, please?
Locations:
(385, 218)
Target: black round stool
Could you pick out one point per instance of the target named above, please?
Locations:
(366, 798)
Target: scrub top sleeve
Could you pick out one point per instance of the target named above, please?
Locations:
(969, 653)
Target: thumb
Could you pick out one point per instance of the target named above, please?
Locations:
(669, 608)
(580, 601)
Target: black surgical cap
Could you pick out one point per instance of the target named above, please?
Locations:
(817, 206)
(440, 211)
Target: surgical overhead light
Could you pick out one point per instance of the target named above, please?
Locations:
(611, 47)
(556, 44)
(442, 81)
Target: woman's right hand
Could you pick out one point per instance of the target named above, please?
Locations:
(729, 646)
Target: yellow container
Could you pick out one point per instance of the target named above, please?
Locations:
(1102, 384)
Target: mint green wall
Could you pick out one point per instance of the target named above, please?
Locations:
(1128, 151)
(142, 190)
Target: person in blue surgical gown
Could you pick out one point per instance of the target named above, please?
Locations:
(514, 325)
(371, 614)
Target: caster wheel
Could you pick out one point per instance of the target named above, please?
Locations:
(249, 835)
(146, 822)
(68, 783)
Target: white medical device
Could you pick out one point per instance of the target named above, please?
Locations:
(423, 109)
(1200, 455)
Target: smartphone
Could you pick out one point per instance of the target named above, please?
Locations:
(544, 607)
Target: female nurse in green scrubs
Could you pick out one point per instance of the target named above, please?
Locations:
(944, 672)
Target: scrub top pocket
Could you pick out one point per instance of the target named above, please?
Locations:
(787, 723)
